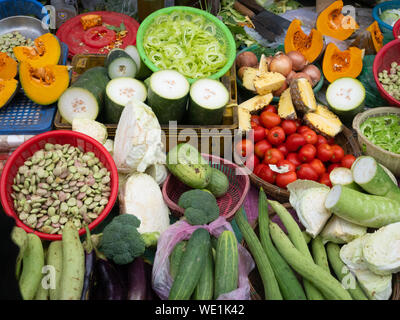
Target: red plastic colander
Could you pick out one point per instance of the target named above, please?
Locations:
(36, 143)
(229, 204)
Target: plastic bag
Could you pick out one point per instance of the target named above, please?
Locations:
(128, 7)
(181, 230)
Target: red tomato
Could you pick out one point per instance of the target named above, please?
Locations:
(331, 141)
(269, 119)
(295, 141)
(333, 166)
(253, 124)
(307, 153)
(251, 162)
(318, 166)
(276, 136)
(310, 136)
(99, 37)
(282, 148)
(305, 171)
(257, 168)
(256, 119)
(324, 152)
(266, 132)
(348, 160)
(338, 153)
(259, 133)
(290, 165)
(267, 174)
(293, 158)
(271, 108)
(244, 147)
(289, 126)
(321, 140)
(272, 156)
(326, 180)
(302, 129)
(283, 179)
(261, 147)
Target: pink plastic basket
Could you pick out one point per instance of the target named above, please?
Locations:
(229, 204)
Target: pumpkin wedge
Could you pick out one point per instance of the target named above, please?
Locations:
(311, 45)
(8, 67)
(47, 51)
(370, 39)
(43, 85)
(339, 64)
(8, 89)
(331, 22)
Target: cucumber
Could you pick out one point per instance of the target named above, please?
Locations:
(120, 64)
(205, 287)
(346, 97)
(168, 95)
(119, 92)
(208, 99)
(219, 183)
(186, 163)
(54, 259)
(143, 71)
(226, 264)
(191, 266)
(175, 258)
(84, 99)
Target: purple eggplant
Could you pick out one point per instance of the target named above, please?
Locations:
(137, 280)
(107, 282)
(90, 262)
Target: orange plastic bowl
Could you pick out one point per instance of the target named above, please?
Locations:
(36, 143)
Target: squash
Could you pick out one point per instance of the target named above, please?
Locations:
(8, 88)
(47, 51)
(339, 64)
(311, 45)
(91, 20)
(302, 95)
(8, 67)
(43, 85)
(286, 108)
(371, 39)
(324, 122)
(268, 82)
(331, 22)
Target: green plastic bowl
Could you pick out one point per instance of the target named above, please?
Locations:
(222, 30)
(258, 52)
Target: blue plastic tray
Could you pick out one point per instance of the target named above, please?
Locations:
(10, 8)
(24, 117)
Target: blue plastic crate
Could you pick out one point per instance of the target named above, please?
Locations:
(10, 8)
(24, 117)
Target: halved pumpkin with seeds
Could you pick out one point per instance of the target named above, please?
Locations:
(8, 67)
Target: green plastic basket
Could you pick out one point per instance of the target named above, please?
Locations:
(258, 51)
(222, 31)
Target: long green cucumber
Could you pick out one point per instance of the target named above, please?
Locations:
(191, 266)
(319, 253)
(297, 238)
(42, 292)
(341, 271)
(73, 267)
(32, 264)
(318, 276)
(19, 237)
(219, 183)
(226, 264)
(55, 259)
(289, 285)
(175, 258)
(205, 287)
(271, 287)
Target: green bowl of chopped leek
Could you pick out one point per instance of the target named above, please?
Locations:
(188, 40)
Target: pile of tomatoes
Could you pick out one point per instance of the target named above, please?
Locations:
(290, 146)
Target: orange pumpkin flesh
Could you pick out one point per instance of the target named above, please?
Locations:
(310, 45)
(338, 64)
(8, 67)
(8, 88)
(370, 39)
(376, 35)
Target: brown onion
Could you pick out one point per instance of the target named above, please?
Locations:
(281, 63)
(290, 76)
(278, 92)
(314, 73)
(299, 75)
(241, 72)
(298, 60)
(246, 59)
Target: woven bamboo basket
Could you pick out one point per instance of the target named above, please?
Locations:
(346, 139)
(256, 286)
(389, 159)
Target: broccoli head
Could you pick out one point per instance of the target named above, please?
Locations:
(121, 240)
(200, 207)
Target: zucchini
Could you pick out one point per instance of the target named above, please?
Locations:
(219, 183)
(344, 177)
(271, 287)
(176, 257)
(120, 64)
(346, 97)
(205, 287)
(208, 99)
(288, 283)
(168, 95)
(191, 265)
(85, 97)
(119, 92)
(143, 71)
(226, 264)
